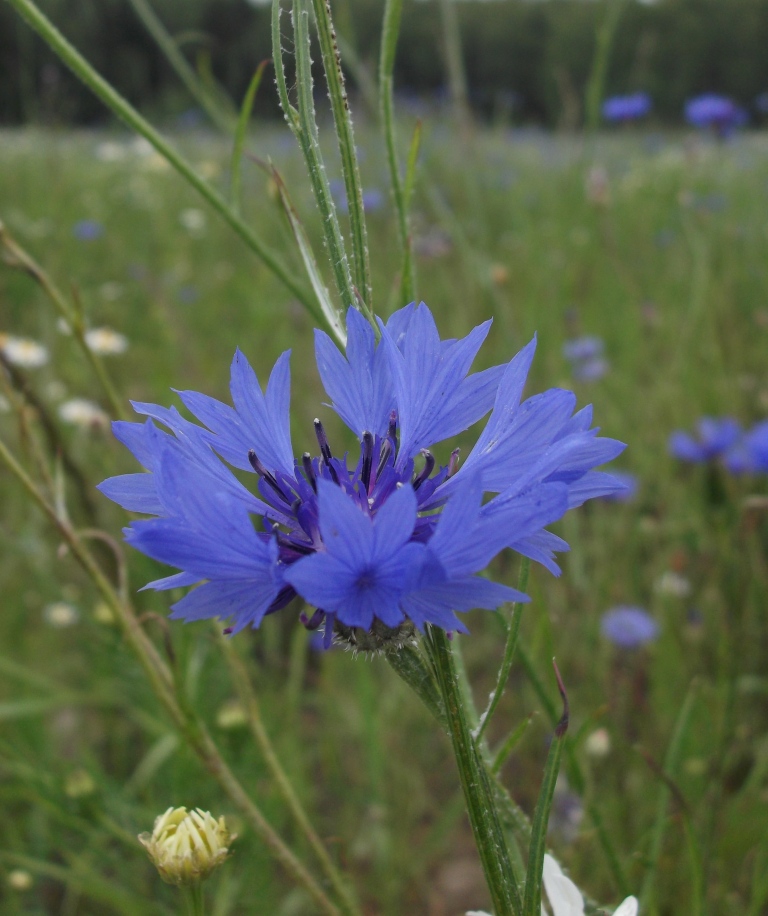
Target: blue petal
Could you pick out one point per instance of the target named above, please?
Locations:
(246, 600)
(360, 386)
(134, 492)
(434, 400)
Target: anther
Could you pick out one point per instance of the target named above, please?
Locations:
(429, 466)
(367, 450)
(386, 451)
(453, 463)
(264, 473)
(322, 441)
(309, 471)
(393, 426)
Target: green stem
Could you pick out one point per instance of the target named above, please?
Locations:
(478, 792)
(194, 899)
(342, 119)
(304, 126)
(457, 77)
(124, 110)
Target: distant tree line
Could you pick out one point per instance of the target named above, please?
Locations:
(527, 62)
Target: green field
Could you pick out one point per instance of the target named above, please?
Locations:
(670, 269)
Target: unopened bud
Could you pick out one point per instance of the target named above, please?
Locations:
(186, 847)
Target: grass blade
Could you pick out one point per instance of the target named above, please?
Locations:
(240, 132)
(538, 845)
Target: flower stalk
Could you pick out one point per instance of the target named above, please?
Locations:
(478, 794)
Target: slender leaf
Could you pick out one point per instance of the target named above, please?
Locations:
(537, 848)
(240, 134)
(328, 311)
(509, 651)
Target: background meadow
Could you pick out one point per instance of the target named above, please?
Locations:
(654, 242)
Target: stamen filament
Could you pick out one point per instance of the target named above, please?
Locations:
(429, 466)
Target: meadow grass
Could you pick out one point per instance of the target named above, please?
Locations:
(669, 269)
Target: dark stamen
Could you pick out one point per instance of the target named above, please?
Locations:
(393, 427)
(309, 471)
(429, 466)
(367, 449)
(322, 441)
(264, 473)
(285, 540)
(386, 451)
(453, 463)
(313, 622)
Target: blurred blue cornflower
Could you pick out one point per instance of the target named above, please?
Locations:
(750, 454)
(585, 354)
(715, 438)
(629, 627)
(716, 112)
(623, 108)
(88, 230)
(393, 538)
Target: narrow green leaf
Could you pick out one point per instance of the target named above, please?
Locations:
(502, 755)
(538, 844)
(328, 312)
(158, 754)
(509, 651)
(671, 763)
(240, 134)
(409, 664)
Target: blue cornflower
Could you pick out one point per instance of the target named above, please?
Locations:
(750, 454)
(716, 437)
(88, 230)
(717, 112)
(627, 107)
(386, 543)
(585, 354)
(629, 627)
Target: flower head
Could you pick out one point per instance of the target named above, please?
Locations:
(565, 898)
(627, 107)
(21, 351)
(716, 112)
(186, 847)
(390, 540)
(88, 230)
(629, 627)
(105, 341)
(715, 436)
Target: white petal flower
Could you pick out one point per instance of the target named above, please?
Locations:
(565, 898)
(105, 341)
(83, 413)
(21, 351)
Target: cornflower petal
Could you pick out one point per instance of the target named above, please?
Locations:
(434, 399)
(259, 421)
(360, 573)
(359, 386)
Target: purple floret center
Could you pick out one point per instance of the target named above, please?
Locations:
(375, 477)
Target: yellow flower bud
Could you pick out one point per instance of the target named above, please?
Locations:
(186, 848)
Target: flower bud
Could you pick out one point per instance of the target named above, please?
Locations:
(186, 848)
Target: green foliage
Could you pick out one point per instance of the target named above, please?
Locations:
(670, 271)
